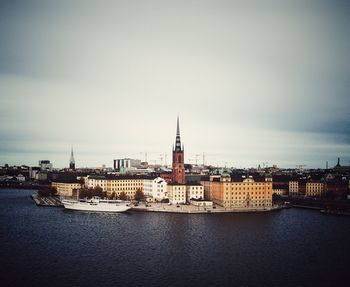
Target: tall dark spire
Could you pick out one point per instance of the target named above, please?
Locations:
(178, 139)
(71, 160)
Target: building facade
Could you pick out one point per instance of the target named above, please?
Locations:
(246, 193)
(194, 191)
(126, 163)
(176, 193)
(93, 181)
(66, 188)
(128, 185)
(315, 189)
(155, 189)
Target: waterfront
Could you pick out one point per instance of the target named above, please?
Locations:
(56, 247)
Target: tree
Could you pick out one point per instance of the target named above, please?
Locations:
(112, 195)
(47, 191)
(123, 196)
(139, 195)
(90, 192)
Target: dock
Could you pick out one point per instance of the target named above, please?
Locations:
(49, 201)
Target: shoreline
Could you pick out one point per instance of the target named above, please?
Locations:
(191, 209)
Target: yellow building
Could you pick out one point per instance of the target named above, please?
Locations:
(280, 191)
(314, 188)
(117, 184)
(176, 193)
(66, 188)
(244, 193)
(293, 187)
(128, 185)
(194, 191)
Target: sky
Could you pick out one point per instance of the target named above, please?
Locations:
(253, 82)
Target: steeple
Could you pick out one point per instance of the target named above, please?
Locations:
(178, 139)
(72, 161)
(178, 173)
(338, 164)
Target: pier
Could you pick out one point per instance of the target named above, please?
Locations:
(49, 201)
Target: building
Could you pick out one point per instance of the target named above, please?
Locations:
(194, 191)
(207, 189)
(45, 165)
(178, 173)
(93, 181)
(126, 163)
(127, 184)
(156, 188)
(280, 191)
(66, 187)
(176, 193)
(241, 192)
(72, 160)
(293, 187)
(315, 188)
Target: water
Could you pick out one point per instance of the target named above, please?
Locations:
(54, 247)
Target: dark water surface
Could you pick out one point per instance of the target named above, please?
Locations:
(54, 247)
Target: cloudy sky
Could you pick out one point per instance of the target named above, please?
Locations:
(252, 81)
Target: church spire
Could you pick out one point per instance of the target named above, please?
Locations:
(178, 139)
(178, 127)
(72, 161)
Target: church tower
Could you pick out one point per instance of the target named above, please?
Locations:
(72, 161)
(178, 175)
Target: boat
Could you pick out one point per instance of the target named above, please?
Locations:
(97, 204)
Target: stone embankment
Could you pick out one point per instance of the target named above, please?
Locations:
(183, 208)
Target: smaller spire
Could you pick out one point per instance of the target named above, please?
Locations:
(72, 161)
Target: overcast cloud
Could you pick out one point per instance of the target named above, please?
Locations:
(252, 82)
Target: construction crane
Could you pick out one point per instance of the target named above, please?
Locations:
(196, 157)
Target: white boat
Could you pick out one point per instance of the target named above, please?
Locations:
(97, 204)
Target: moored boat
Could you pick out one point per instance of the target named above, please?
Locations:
(97, 204)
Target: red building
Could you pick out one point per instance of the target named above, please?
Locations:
(178, 174)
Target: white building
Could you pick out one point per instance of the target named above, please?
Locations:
(96, 180)
(126, 163)
(155, 188)
(194, 191)
(176, 193)
(45, 165)
(21, 177)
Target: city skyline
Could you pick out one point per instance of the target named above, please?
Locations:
(251, 83)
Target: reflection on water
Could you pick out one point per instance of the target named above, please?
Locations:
(57, 247)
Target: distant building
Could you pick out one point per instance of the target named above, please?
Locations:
(314, 188)
(294, 188)
(178, 173)
(45, 165)
(126, 163)
(303, 187)
(66, 187)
